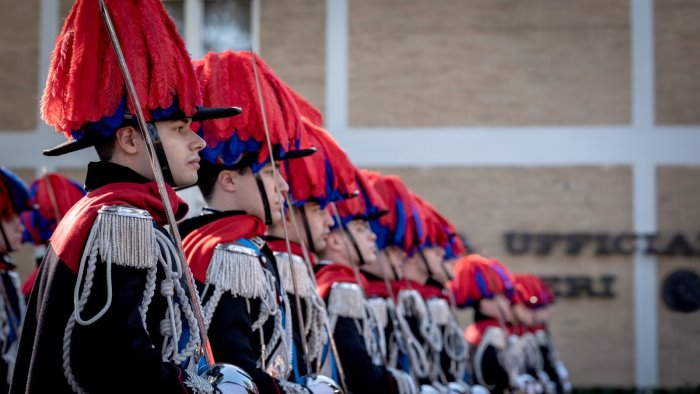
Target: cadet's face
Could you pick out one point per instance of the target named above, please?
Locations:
(435, 256)
(250, 198)
(320, 223)
(364, 237)
(181, 146)
(13, 231)
(523, 314)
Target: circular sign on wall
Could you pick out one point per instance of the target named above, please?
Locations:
(681, 291)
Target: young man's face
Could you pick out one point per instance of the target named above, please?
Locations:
(523, 314)
(320, 223)
(435, 256)
(181, 146)
(365, 239)
(13, 231)
(498, 308)
(250, 199)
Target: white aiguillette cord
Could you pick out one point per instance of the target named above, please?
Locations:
(162, 190)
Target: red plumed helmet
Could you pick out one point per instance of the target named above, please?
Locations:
(229, 77)
(477, 278)
(85, 94)
(398, 227)
(52, 196)
(368, 205)
(327, 175)
(14, 195)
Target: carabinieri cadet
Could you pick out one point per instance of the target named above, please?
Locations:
(522, 350)
(531, 300)
(441, 235)
(476, 284)
(14, 200)
(359, 337)
(397, 234)
(314, 181)
(420, 267)
(109, 311)
(51, 196)
(523, 333)
(246, 309)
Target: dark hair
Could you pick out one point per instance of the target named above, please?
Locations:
(209, 173)
(105, 148)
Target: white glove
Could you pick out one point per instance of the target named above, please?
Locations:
(441, 388)
(320, 384)
(478, 389)
(428, 389)
(457, 388)
(404, 381)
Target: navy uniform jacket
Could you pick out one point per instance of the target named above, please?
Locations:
(116, 354)
(230, 331)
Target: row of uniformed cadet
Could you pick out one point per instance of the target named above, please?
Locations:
(311, 275)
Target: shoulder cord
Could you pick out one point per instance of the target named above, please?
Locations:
(171, 325)
(420, 365)
(80, 299)
(456, 347)
(374, 335)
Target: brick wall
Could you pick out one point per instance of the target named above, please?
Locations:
(489, 62)
(292, 41)
(19, 29)
(678, 189)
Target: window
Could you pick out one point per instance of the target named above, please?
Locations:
(226, 25)
(213, 25)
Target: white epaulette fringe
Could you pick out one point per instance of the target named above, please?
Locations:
(237, 269)
(304, 285)
(379, 307)
(439, 311)
(346, 300)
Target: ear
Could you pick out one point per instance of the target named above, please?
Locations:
(128, 140)
(228, 180)
(334, 242)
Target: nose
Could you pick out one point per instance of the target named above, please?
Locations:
(198, 143)
(327, 218)
(16, 224)
(371, 234)
(282, 185)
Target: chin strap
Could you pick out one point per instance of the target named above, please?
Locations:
(307, 229)
(265, 200)
(361, 259)
(9, 247)
(160, 152)
(431, 277)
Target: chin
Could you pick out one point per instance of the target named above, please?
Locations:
(185, 181)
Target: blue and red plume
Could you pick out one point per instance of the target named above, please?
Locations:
(368, 205)
(327, 175)
(85, 92)
(398, 227)
(477, 278)
(228, 78)
(14, 195)
(439, 231)
(51, 197)
(531, 291)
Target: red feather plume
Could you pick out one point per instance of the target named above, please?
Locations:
(228, 79)
(84, 83)
(327, 175)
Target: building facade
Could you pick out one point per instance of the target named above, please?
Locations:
(561, 137)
